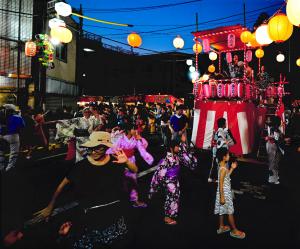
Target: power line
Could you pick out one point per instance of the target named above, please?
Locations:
(145, 8)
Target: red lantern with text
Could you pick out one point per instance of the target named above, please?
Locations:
(206, 91)
(231, 40)
(220, 90)
(249, 55)
(228, 57)
(30, 49)
(206, 45)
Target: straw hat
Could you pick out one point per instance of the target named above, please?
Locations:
(98, 138)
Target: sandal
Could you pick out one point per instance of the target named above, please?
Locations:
(238, 235)
(169, 221)
(223, 229)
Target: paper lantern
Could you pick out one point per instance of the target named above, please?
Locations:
(259, 53)
(134, 40)
(249, 55)
(206, 45)
(206, 90)
(30, 49)
(55, 22)
(63, 9)
(293, 12)
(280, 57)
(262, 35)
(228, 57)
(197, 48)
(62, 34)
(189, 62)
(192, 69)
(279, 27)
(220, 90)
(298, 62)
(211, 69)
(253, 43)
(246, 36)
(213, 56)
(231, 40)
(178, 42)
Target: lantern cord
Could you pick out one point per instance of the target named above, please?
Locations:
(278, 11)
(102, 21)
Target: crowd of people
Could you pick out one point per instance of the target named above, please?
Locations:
(102, 142)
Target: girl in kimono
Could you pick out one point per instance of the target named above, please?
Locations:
(167, 174)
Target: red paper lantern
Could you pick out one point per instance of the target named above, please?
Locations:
(228, 57)
(206, 45)
(249, 55)
(206, 91)
(231, 40)
(220, 90)
(233, 90)
(241, 90)
(30, 49)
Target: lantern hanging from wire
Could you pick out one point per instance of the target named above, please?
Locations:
(56, 22)
(298, 62)
(213, 56)
(280, 57)
(197, 48)
(63, 9)
(246, 36)
(178, 42)
(259, 53)
(134, 40)
(189, 62)
(253, 43)
(293, 12)
(211, 68)
(62, 34)
(30, 49)
(262, 35)
(279, 28)
(231, 40)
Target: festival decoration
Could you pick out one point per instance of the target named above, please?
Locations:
(30, 49)
(293, 12)
(249, 55)
(262, 35)
(213, 56)
(45, 50)
(192, 69)
(134, 40)
(231, 40)
(206, 45)
(259, 53)
(62, 34)
(280, 57)
(63, 9)
(178, 42)
(197, 48)
(246, 36)
(220, 90)
(279, 28)
(298, 62)
(211, 69)
(228, 57)
(189, 62)
(56, 22)
(253, 43)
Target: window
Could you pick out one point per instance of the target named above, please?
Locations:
(61, 52)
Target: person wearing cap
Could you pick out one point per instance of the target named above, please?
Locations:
(9, 131)
(98, 181)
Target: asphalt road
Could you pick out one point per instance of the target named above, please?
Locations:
(262, 210)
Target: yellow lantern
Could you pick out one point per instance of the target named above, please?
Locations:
(293, 12)
(62, 34)
(246, 36)
(197, 49)
(298, 62)
(134, 40)
(259, 53)
(211, 69)
(279, 28)
(253, 43)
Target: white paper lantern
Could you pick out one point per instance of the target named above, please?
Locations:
(280, 57)
(55, 22)
(189, 62)
(178, 42)
(63, 9)
(293, 12)
(213, 56)
(195, 75)
(192, 69)
(262, 35)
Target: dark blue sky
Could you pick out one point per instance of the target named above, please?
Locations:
(168, 18)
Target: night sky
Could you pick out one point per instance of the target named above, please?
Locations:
(164, 18)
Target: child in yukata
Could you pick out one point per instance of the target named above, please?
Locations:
(130, 141)
(167, 174)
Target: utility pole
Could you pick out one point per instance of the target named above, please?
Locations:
(244, 7)
(197, 24)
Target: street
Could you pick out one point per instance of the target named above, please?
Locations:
(28, 189)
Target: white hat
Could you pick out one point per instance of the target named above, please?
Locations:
(98, 138)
